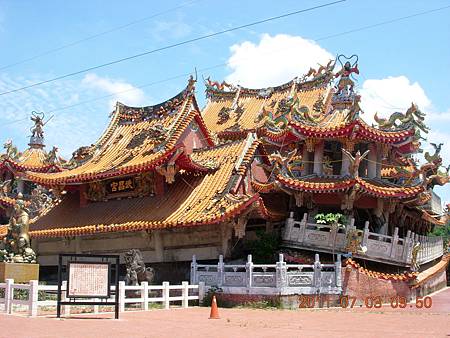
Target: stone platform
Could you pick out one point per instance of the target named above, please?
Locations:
(20, 272)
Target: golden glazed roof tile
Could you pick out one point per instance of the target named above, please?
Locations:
(248, 105)
(32, 159)
(370, 187)
(137, 139)
(191, 200)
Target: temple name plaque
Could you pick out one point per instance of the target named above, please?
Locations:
(88, 279)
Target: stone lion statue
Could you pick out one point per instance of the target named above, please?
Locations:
(136, 270)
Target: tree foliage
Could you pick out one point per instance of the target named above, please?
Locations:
(330, 219)
(263, 249)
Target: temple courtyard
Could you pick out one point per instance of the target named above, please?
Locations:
(194, 322)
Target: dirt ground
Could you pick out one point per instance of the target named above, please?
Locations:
(193, 322)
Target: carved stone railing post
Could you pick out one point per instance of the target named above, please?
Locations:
(365, 234)
(281, 273)
(317, 272)
(249, 271)
(352, 223)
(406, 246)
(337, 270)
(194, 270)
(220, 272)
(301, 234)
(394, 243)
(288, 227)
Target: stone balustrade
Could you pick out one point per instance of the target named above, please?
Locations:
(383, 248)
(270, 279)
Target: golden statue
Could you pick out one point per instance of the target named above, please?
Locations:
(415, 252)
(16, 244)
(354, 240)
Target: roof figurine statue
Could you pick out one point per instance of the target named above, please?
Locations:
(37, 130)
(11, 150)
(346, 84)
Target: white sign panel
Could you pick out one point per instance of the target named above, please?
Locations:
(88, 280)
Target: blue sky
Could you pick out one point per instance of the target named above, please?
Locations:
(399, 63)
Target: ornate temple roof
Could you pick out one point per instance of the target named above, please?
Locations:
(137, 139)
(239, 109)
(304, 108)
(194, 200)
(32, 159)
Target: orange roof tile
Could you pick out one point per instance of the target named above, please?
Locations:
(136, 139)
(371, 187)
(32, 159)
(250, 103)
(320, 185)
(191, 200)
(230, 114)
(7, 201)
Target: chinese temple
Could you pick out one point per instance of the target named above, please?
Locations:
(173, 181)
(14, 164)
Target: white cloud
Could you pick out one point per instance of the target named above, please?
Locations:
(437, 136)
(122, 91)
(385, 96)
(274, 60)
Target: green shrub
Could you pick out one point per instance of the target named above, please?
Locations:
(443, 231)
(264, 248)
(330, 219)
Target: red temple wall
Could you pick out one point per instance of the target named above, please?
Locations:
(193, 139)
(360, 285)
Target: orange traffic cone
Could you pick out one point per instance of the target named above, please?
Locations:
(214, 310)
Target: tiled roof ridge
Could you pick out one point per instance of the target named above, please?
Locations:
(346, 183)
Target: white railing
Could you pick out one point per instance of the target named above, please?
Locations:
(274, 279)
(142, 295)
(393, 249)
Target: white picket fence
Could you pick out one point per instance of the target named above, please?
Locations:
(32, 304)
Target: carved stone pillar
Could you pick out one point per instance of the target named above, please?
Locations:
(225, 236)
(78, 248)
(318, 158)
(372, 161)
(305, 158)
(158, 245)
(379, 159)
(344, 166)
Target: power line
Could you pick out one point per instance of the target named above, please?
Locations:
(277, 51)
(91, 37)
(382, 23)
(184, 75)
(203, 37)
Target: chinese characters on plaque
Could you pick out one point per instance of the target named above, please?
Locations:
(120, 185)
(88, 280)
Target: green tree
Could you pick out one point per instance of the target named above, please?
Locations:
(263, 249)
(443, 231)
